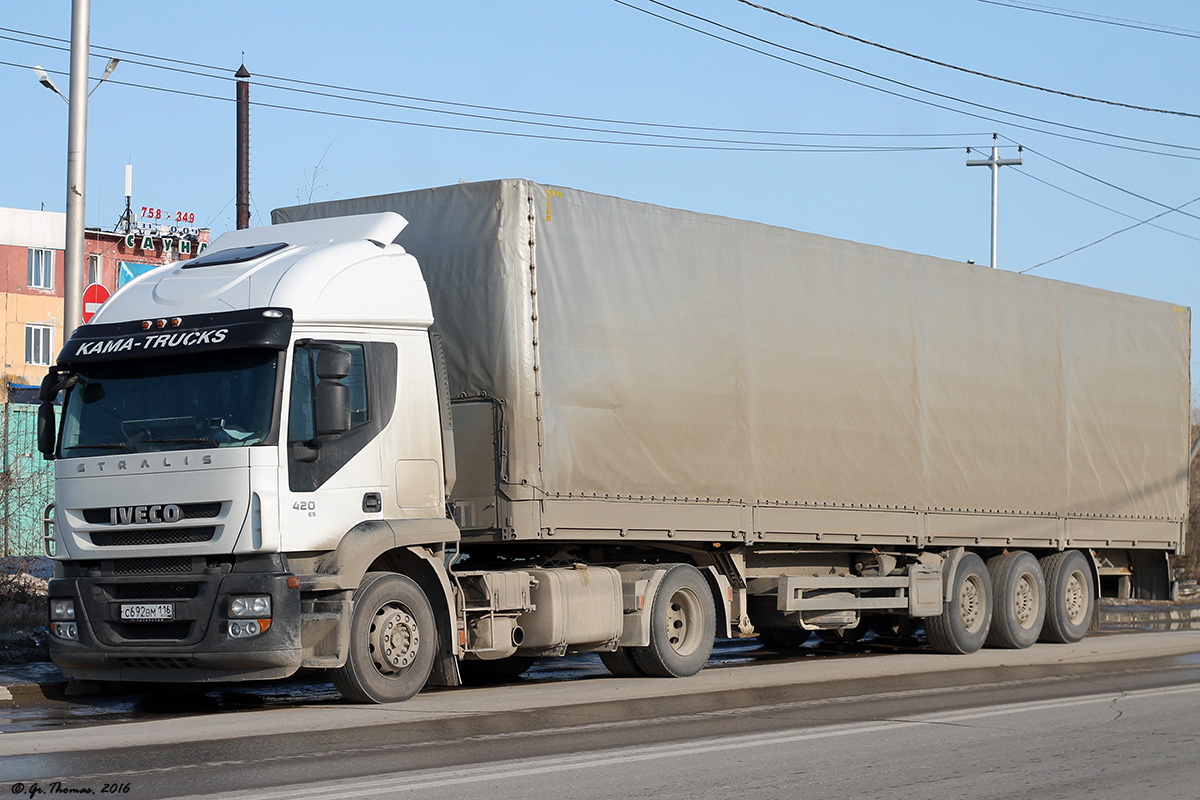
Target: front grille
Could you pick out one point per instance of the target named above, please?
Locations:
(152, 591)
(174, 630)
(156, 662)
(152, 566)
(103, 516)
(133, 537)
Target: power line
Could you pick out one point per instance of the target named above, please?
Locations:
(1111, 235)
(1056, 187)
(226, 75)
(1124, 23)
(1110, 185)
(964, 69)
(907, 86)
(747, 146)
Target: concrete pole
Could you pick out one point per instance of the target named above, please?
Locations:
(995, 163)
(73, 267)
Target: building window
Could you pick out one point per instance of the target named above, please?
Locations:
(41, 268)
(38, 340)
(94, 273)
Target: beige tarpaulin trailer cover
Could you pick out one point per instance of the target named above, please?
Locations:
(648, 352)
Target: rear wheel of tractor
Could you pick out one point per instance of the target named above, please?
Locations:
(682, 626)
(963, 625)
(620, 663)
(1020, 591)
(393, 641)
(1071, 595)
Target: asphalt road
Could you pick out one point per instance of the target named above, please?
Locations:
(1116, 715)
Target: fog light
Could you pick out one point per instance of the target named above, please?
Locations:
(248, 628)
(62, 609)
(65, 630)
(250, 605)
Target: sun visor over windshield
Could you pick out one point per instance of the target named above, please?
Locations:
(175, 336)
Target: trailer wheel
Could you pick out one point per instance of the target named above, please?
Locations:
(895, 627)
(682, 626)
(1071, 592)
(782, 638)
(620, 663)
(1020, 590)
(393, 641)
(962, 627)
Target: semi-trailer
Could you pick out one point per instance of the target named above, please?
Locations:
(409, 436)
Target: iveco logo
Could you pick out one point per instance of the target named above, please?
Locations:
(142, 515)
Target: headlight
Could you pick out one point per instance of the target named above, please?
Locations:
(250, 606)
(62, 609)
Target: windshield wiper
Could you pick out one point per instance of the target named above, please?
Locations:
(182, 440)
(126, 446)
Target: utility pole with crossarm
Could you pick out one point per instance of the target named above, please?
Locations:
(995, 162)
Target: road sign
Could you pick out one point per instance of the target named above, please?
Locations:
(93, 297)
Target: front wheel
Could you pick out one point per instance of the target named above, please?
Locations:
(393, 641)
(682, 626)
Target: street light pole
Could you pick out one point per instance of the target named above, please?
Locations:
(73, 266)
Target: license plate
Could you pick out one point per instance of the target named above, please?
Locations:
(151, 611)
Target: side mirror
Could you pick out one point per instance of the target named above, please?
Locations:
(331, 399)
(331, 410)
(333, 363)
(47, 431)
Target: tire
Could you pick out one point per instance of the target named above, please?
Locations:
(963, 625)
(780, 638)
(850, 635)
(393, 641)
(1071, 597)
(620, 663)
(895, 627)
(1020, 593)
(483, 673)
(682, 626)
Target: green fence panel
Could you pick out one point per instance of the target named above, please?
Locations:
(26, 481)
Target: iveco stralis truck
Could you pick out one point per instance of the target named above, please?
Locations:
(409, 437)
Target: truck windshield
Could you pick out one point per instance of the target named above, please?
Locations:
(224, 399)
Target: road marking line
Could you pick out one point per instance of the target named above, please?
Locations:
(452, 776)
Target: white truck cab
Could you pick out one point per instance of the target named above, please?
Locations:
(263, 399)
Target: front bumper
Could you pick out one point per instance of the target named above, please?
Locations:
(194, 646)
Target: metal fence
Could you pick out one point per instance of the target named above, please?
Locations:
(26, 481)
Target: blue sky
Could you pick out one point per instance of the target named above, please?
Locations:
(604, 59)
